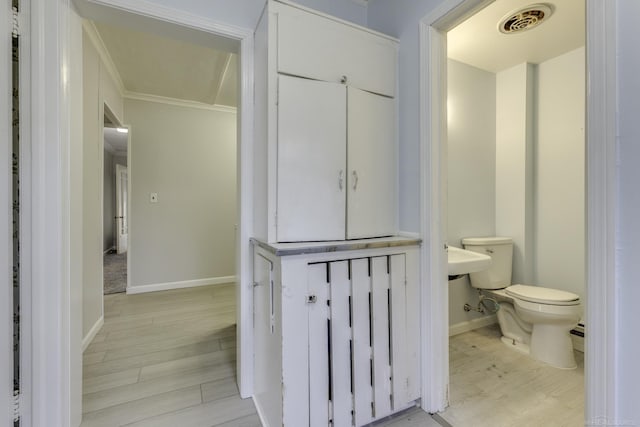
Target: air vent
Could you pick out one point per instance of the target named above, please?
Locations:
(524, 19)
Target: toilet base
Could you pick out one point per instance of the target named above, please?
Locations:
(552, 344)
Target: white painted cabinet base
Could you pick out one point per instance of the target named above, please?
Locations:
(336, 336)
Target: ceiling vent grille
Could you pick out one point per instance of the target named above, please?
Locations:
(524, 19)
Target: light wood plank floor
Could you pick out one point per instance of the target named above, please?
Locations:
(492, 385)
(166, 359)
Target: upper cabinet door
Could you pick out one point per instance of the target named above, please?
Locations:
(372, 165)
(320, 48)
(311, 178)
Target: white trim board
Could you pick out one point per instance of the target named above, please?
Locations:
(470, 325)
(154, 287)
(92, 333)
(6, 229)
(601, 135)
(178, 102)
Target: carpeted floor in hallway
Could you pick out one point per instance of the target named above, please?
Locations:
(115, 273)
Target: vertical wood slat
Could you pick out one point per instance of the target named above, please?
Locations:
(381, 356)
(399, 360)
(319, 408)
(362, 390)
(341, 344)
(413, 322)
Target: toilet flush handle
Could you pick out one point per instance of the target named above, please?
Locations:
(489, 251)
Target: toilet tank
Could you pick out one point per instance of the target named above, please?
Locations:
(500, 249)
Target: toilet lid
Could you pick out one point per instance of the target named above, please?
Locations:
(542, 295)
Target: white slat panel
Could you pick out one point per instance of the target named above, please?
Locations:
(413, 322)
(360, 292)
(341, 344)
(381, 368)
(319, 408)
(398, 332)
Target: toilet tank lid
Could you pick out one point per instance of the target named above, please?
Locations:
(483, 241)
(542, 295)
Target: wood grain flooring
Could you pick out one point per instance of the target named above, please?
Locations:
(166, 359)
(494, 386)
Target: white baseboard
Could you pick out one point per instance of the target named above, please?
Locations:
(470, 325)
(92, 333)
(260, 412)
(179, 285)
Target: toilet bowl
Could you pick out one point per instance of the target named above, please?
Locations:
(534, 320)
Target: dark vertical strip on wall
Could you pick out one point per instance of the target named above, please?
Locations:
(15, 159)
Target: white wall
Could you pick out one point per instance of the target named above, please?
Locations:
(98, 89)
(514, 165)
(471, 131)
(627, 378)
(400, 19)
(559, 179)
(187, 156)
(245, 13)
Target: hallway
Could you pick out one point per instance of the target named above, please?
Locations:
(166, 359)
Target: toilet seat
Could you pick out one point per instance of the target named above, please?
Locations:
(542, 295)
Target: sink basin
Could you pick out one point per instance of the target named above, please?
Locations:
(462, 261)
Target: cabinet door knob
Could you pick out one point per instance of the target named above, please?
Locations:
(354, 175)
(341, 179)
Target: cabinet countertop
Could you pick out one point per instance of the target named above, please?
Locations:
(300, 248)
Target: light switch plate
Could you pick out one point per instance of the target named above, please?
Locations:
(153, 198)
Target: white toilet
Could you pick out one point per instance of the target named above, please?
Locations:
(534, 320)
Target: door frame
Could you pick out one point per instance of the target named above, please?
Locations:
(244, 36)
(600, 367)
(6, 229)
(52, 307)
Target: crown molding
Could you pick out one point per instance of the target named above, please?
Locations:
(178, 102)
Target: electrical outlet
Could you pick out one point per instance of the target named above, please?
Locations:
(153, 198)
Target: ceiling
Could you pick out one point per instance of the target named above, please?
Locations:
(478, 42)
(150, 64)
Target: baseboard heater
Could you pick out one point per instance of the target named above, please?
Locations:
(357, 342)
(577, 337)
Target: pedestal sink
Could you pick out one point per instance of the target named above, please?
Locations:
(463, 262)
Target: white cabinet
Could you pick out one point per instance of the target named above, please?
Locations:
(320, 48)
(336, 332)
(371, 158)
(312, 124)
(326, 134)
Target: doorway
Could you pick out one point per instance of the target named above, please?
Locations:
(178, 98)
(115, 204)
(600, 140)
(154, 19)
